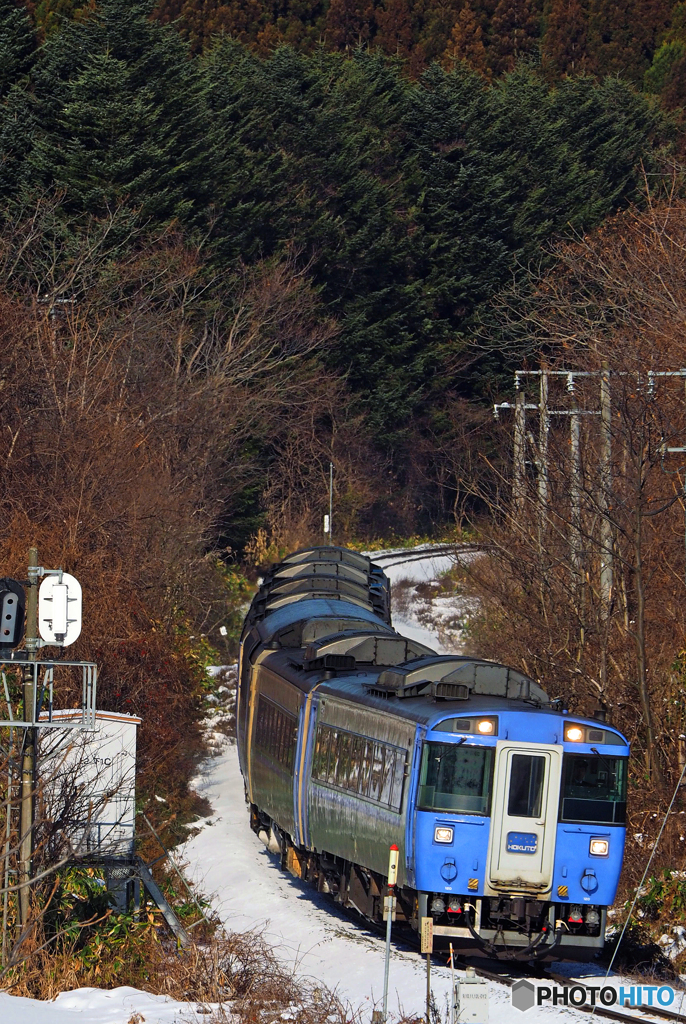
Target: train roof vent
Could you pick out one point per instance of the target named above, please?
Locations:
(369, 647)
(329, 554)
(494, 680)
(331, 662)
(322, 584)
(279, 600)
(464, 673)
(317, 629)
(438, 689)
(290, 571)
(427, 669)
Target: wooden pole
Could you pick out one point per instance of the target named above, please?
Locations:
(519, 453)
(605, 503)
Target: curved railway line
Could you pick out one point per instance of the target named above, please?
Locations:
(389, 559)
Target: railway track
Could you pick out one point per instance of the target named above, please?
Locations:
(392, 558)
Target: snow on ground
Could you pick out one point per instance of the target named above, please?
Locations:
(422, 610)
(99, 1006)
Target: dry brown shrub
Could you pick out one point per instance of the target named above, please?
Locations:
(239, 972)
(129, 389)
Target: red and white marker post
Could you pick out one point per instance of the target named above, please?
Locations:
(389, 914)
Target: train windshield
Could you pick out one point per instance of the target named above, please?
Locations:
(455, 777)
(594, 789)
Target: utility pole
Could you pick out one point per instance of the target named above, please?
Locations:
(605, 502)
(519, 453)
(681, 449)
(540, 452)
(575, 495)
(543, 431)
(543, 474)
(331, 503)
(28, 759)
(605, 488)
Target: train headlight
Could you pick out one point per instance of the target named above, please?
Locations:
(443, 834)
(485, 727)
(574, 733)
(599, 847)
(437, 906)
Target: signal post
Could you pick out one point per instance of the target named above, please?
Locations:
(28, 758)
(53, 618)
(389, 904)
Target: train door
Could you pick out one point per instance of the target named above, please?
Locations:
(526, 794)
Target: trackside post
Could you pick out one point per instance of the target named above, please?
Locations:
(427, 936)
(389, 914)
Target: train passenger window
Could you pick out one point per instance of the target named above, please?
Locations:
(455, 777)
(320, 761)
(527, 777)
(377, 772)
(593, 789)
(366, 767)
(357, 745)
(343, 762)
(388, 776)
(359, 765)
(276, 732)
(333, 757)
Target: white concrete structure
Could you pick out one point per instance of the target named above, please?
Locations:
(89, 781)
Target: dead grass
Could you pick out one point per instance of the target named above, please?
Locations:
(236, 977)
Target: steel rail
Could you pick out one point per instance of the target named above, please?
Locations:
(395, 558)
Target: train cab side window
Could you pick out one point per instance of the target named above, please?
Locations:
(593, 789)
(360, 765)
(276, 732)
(527, 777)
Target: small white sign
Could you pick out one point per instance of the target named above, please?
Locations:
(59, 610)
(389, 906)
(327, 524)
(471, 1001)
(427, 933)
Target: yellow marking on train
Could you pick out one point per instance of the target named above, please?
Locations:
(562, 890)
(473, 883)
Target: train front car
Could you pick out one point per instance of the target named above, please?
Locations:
(519, 822)
(508, 813)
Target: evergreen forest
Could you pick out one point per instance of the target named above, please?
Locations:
(405, 203)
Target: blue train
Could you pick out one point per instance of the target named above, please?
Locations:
(508, 812)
